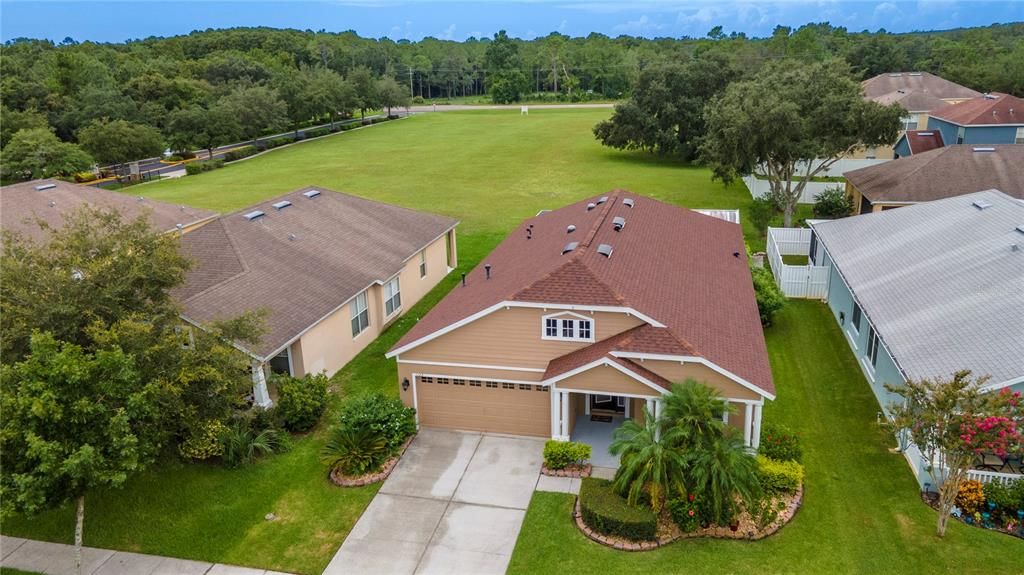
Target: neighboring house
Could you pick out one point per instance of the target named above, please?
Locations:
(937, 174)
(588, 313)
(917, 141)
(919, 93)
(986, 120)
(928, 290)
(23, 205)
(330, 270)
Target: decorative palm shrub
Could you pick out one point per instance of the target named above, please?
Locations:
(722, 472)
(696, 410)
(355, 451)
(648, 462)
(242, 444)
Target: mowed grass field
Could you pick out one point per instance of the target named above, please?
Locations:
(491, 170)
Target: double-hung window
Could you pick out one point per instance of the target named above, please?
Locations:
(910, 122)
(872, 351)
(360, 314)
(567, 327)
(423, 264)
(856, 317)
(1018, 138)
(392, 297)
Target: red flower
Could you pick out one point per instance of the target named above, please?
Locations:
(691, 513)
(691, 498)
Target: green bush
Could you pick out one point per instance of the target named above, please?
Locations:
(239, 153)
(779, 476)
(686, 512)
(385, 416)
(762, 210)
(301, 401)
(355, 452)
(203, 441)
(833, 203)
(606, 512)
(780, 443)
(242, 445)
(316, 133)
(204, 166)
(1008, 498)
(562, 454)
(770, 298)
(261, 418)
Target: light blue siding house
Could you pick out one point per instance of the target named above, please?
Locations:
(986, 120)
(928, 290)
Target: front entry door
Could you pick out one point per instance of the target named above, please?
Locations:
(608, 403)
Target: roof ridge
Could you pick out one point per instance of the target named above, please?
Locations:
(592, 232)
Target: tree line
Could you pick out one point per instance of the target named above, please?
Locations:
(78, 103)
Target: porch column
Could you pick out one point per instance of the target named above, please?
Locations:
(565, 415)
(586, 404)
(725, 414)
(650, 406)
(756, 440)
(555, 413)
(748, 418)
(261, 397)
(657, 414)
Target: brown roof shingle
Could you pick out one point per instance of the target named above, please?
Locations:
(299, 263)
(668, 263)
(923, 140)
(21, 204)
(924, 82)
(943, 173)
(988, 109)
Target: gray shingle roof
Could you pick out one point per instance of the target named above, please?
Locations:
(940, 282)
(299, 263)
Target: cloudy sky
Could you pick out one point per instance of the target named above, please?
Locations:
(415, 19)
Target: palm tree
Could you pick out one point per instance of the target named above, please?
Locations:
(647, 461)
(723, 470)
(354, 451)
(696, 410)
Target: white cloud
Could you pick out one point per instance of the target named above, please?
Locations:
(448, 34)
(563, 25)
(640, 26)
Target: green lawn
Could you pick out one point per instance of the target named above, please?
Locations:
(861, 511)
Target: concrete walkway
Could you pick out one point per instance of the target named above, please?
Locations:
(453, 504)
(59, 559)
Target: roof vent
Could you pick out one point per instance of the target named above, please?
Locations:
(605, 250)
(52, 203)
(1020, 228)
(42, 187)
(570, 229)
(628, 202)
(591, 206)
(618, 222)
(179, 226)
(602, 200)
(254, 215)
(984, 149)
(981, 204)
(311, 193)
(569, 247)
(140, 198)
(281, 205)
(926, 133)
(291, 237)
(914, 74)
(897, 75)
(991, 97)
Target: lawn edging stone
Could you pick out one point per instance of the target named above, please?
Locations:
(342, 480)
(574, 471)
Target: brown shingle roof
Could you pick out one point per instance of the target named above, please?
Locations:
(299, 263)
(924, 82)
(911, 101)
(943, 173)
(988, 109)
(923, 140)
(668, 263)
(21, 204)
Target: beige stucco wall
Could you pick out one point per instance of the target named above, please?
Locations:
(675, 371)
(607, 379)
(329, 345)
(511, 337)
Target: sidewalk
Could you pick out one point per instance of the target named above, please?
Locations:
(59, 559)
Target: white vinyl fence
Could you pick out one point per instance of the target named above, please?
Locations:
(806, 281)
(842, 166)
(761, 188)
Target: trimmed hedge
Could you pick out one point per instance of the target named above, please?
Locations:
(562, 454)
(779, 476)
(607, 512)
(239, 153)
(204, 166)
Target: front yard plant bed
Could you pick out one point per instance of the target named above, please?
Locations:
(341, 480)
(1002, 514)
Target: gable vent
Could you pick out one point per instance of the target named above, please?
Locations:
(591, 206)
(254, 215)
(281, 205)
(605, 250)
(42, 187)
(569, 247)
(984, 149)
(628, 202)
(311, 193)
(618, 223)
(981, 204)
(570, 229)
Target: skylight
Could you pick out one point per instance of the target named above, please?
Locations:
(254, 215)
(569, 247)
(281, 205)
(311, 193)
(605, 250)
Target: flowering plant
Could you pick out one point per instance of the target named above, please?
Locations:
(685, 512)
(971, 496)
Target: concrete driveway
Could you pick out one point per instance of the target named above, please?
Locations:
(454, 504)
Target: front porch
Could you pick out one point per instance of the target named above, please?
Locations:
(598, 435)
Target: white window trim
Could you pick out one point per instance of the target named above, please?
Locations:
(1018, 137)
(354, 304)
(397, 308)
(423, 264)
(574, 317)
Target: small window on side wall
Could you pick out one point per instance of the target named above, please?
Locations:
(856, 317)
(423, 264)
(360, 314)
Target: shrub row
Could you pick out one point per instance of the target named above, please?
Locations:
(204, 166)
(779, 476)
(562, 454)
(606, 512)
(239, 153)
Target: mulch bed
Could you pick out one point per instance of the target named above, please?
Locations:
(342, 480)
(668, 532)
(570, 471)
(931, 499)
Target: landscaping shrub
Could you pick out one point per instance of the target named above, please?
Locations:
(241, 444)
(780, 443)
(762, 210)
(606, 512)
(562, 454)
(770, 298)
(833, 203)
(417, 99)
(316, 133)
(261, 418)
(239, 153)
(779, 476)
(301, 402)
(971, 496)
(204, 166)
(203, 441)
(385, 416)
(82, 177)
(173, 158)
(355, 451)
(685, 512)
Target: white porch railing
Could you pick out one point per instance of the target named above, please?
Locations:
(797, 281)
(993, 476)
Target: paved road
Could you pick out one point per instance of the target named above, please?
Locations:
(453, 504)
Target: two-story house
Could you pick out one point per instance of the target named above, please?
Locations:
(587, 314)
(985, 120)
